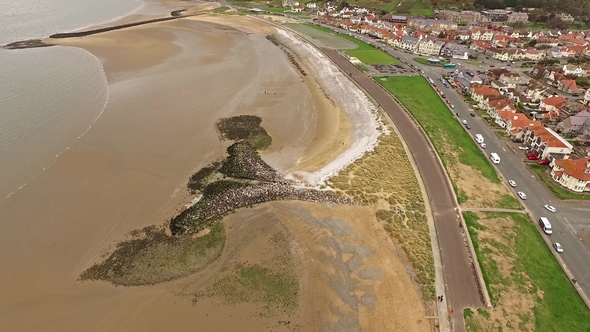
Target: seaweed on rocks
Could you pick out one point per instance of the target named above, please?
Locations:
(198, 181)
(151, 256)
(244, 162)
(244, 127)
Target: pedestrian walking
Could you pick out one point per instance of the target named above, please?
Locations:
(438, 298)
(441, 298)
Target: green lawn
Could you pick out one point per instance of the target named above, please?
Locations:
(319, 28)
(446, 133)
(412, 7)
(368, 54)
(561, 193)
(533, 272)
(276, 10)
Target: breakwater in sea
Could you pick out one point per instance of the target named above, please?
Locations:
(243, 179)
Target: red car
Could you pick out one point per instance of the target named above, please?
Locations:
(437, 90)
(448, 102)
(543, 162)
(533, 157)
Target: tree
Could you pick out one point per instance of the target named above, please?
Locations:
(557, 23)
(532, 43)
(583, 81)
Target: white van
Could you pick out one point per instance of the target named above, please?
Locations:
(495, 158)
(478, 138)
(545, 225)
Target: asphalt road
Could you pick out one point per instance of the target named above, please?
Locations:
(571, 219)
(460, 279)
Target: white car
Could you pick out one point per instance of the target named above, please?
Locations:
(550, 208)
(483, 145)
(464, 122)
(558, 247)
(452, 106)
(523, 148)
(521, 195)
(512, 183)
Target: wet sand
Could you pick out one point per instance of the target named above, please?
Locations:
(168, 82)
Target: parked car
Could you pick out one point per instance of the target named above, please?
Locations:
(492, 66)
(528, 154)
(523, 148)
(575, 95)
(448, 102)
(464, 122)
(457, 114)
(452, 106)
(512, 183)
(558, 247)
(532, 157)
(483, 145)
(543, 162)
(437, 89)
(521, 195)
(550, 208)
(468, 126)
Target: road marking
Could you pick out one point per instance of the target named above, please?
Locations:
(569, 225)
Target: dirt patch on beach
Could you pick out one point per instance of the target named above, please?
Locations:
(326, 268)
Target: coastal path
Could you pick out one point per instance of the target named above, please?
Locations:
(462, 286)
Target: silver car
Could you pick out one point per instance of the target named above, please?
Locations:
(558, 247)
(550, 208)
(512, 183)
(521, 195)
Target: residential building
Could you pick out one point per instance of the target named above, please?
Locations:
(464, 35)
(496, 15)
(410, 43)
(454, 51)
(512, 79)
(480, 46)
(518, 17)
(480, 94)
(430, 47)
(471, 16)
(553, 104)
(565, 17)
(573, 124)
(573, 70)
(503, 54)
(448, 15)
(515, 123)
(573, 174)
(394, 18)
(568, 86)
(554, 52)
(587, 97)
(497, 105)
(546, 144)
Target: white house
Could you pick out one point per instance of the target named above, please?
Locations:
(547, 144)
(410, 43)
(573, 174)
(573, 70)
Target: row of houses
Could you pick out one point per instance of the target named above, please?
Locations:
(494, 15)
(542, 141)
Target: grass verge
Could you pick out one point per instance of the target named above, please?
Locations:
(368, 54)
(528, 288)
(560, 192)
(317, 27)
(385, 178)
(445, 132)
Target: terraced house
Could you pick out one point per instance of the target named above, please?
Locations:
(546, 144)
(572, 174)
(430, 47)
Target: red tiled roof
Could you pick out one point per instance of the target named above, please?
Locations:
(559, 173)
(486, 91)
(576, 168)
(570, 84)
(554, 101)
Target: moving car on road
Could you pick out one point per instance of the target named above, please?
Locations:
(512, 183)
(550, 208)
(472, 114)
(558, 247)
(521, 195)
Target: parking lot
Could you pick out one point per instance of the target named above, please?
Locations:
(391, 70)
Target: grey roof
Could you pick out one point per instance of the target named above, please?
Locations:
(397, 17)
(410, 40)
(580, 118)
(455, 47)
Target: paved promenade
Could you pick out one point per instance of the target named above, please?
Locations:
(460, 279)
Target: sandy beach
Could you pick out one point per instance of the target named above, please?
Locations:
(169, 82)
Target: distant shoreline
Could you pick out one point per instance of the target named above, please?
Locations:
(35, 43)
